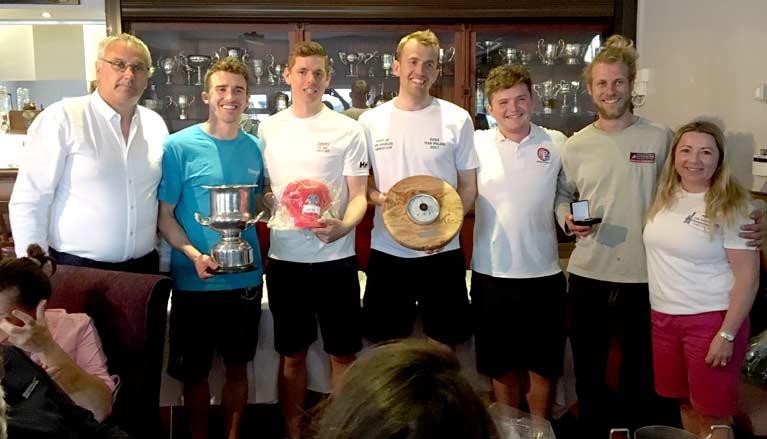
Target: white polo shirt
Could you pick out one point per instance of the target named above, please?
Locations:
(82, 189)
(326, 147)
(437, 140)
(514, 229)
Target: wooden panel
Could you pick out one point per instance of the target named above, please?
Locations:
(348, 10)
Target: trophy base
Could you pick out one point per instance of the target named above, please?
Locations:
(232, 270)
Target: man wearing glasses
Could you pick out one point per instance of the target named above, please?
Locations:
(87, 188)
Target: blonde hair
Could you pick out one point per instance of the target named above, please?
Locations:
(306, 49)
(423, 37)
(616, 50)
(128, 40)
(229, 64)
(504, 77)
(725, 197)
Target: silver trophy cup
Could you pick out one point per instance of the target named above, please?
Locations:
(198, 62)
(547, 91)
(234, 52)
(387, 59)
(574, 52)
(229, 216)
(550, 52)
(183, 102)
(510, 56)
(259, 68)
(168, 65)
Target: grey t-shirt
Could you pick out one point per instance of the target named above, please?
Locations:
(617, 173)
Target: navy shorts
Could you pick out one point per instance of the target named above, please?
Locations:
(304, 294)
(398, 288)
(520, 324)
(205, 322)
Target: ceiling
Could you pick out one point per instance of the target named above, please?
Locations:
(87, 10)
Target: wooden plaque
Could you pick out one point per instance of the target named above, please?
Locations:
(412, 234)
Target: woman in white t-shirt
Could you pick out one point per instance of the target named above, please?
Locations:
(702, 278)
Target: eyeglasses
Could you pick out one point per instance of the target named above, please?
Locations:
(119, 65)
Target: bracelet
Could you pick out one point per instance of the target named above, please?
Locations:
(727, 336)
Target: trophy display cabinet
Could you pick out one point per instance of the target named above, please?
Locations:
(555, 39)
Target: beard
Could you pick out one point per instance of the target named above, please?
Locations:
(605, 113)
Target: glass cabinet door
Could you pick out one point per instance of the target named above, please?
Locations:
(367, 53)
(555, 55)
(182, 53)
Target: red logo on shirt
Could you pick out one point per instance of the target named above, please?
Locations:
(544, 155)
(642, 157)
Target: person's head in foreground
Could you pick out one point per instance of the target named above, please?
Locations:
(404, 390)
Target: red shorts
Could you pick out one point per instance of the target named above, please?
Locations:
(680, 344)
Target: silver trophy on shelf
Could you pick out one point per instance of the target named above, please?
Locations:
(547, 91)
(510, 56)
(183, 102)
(153, 104)
(350, 59)
(197, 62)
(270, 69)
(184, 64)
(387, 59)
(235, 52)
(279, 70)
(575, 88)
(369, 56)
(230, 215)
(565, 88)
(573, 53)
(550, 52)
(168, 65)
(353, 59)
(526, 58)
(446, 56)
(259, 69)
(488, 46)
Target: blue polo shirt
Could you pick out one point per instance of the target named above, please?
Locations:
(192, 159)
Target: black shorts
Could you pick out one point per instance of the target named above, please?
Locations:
(397, 287)
(205, 322)
(520, 324)
(302, 294)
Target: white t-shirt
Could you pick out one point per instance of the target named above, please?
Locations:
(514, 229)
(687, 266)
(327, 147)
(437, 140)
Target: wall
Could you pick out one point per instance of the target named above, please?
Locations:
(58, 52)
(706, 58)
(17, 52)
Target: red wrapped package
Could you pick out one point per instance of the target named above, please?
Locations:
(306, 200)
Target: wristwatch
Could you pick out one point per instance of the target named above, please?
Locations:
(727, 336)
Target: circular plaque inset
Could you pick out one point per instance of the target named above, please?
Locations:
(422, 212)
(422, 208)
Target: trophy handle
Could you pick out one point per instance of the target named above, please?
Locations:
(342, 57)
(556, 89)
(192, 101)
(271, 59)
(201, 220)
(540, 48)
(257, 218)
(561, 47)
(537, 89)
(170, 101)
(370, 56)
(451, 53)
(245, 56)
